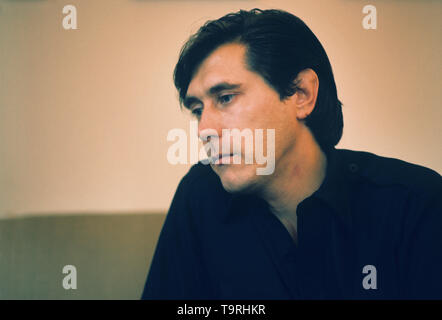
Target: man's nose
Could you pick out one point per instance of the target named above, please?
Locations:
(209, 125)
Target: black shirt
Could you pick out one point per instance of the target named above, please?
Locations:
(373, 230)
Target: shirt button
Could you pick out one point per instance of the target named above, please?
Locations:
(353, 167)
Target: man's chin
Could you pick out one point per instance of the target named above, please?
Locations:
(236, 178)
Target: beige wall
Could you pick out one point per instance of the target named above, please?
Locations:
(84, 113)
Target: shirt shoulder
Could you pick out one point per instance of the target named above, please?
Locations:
(384, 171)
(201, 190)
(201, 177)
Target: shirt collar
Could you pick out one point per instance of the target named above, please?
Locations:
(334, 190)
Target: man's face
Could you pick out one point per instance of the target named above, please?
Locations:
(224, 94)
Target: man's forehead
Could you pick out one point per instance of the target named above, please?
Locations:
(225, 65)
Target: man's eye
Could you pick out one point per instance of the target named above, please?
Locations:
(197, 112)
(227, 98)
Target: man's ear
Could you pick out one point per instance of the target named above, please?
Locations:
(305, 97)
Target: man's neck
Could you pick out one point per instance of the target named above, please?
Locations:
(300, 173)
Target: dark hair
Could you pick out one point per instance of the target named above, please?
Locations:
(279, 46)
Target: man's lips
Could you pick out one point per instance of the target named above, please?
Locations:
(223, 158)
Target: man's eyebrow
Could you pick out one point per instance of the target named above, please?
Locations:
(221, 87)
(189, 100)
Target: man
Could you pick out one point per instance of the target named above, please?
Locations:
(326, 223)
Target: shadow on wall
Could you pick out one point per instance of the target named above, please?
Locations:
(111, 255)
